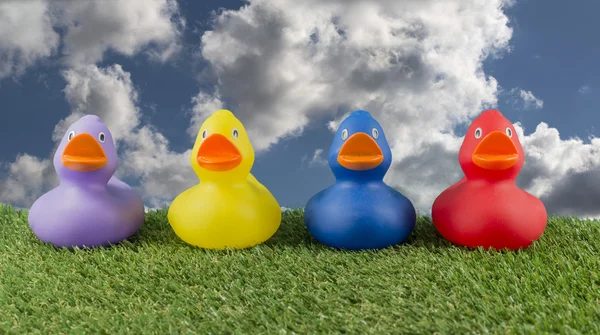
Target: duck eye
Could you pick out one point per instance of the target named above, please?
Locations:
(71, 135)
(478, 133)
(204, 132)
(102, 137)
(375, 133)
(344, 134)
(235, 133)
(508, 131)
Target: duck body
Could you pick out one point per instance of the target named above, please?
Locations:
(491, 215)
(229, 208)
(486, 208)
(90, 207)
(217, 216)
(384, 217)
(72, 215)
(360, 211)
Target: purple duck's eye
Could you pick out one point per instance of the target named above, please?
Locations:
(102, 137)
(71, 135)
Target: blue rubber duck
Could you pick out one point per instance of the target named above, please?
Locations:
(360, 211)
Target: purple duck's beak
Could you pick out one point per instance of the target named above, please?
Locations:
(84, 154)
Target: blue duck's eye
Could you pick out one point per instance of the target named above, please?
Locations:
(102, 137)
(375, 133)
(204, 133)
(344, 134)
(71, 135)
(478, 132)
(508, 131)
(235, 133)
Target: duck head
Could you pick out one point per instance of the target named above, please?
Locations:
(359, 150)
(86, 152)
(491, 148)
(222, 150)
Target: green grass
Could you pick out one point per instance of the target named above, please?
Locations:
(156, 284)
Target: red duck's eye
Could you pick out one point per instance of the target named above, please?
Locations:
(478, 132)
(508, 131)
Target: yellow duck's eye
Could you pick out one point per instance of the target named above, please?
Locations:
(235, 133)
(71, 135)
(204, 133)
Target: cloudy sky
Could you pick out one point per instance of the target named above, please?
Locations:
(154, 69)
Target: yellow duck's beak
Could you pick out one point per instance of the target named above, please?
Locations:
(217, 153)
(360, 152)
(496, 151)
(84, 154)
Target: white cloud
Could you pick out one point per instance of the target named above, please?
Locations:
(524, 100)
(415, 65)
(530, 100)
(145, 155)
(162, 173)
(318, 159)
(26, 35)
(28, 31)
(584, 89)
(108, 93)
(28, 177)
(93, 27)
(204, 105)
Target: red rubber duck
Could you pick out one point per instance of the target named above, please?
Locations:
(486, 208)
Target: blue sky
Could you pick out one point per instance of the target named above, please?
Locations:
(553, 57)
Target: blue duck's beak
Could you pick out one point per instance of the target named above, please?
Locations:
(360, 152)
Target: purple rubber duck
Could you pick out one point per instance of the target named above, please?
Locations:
(90, 207)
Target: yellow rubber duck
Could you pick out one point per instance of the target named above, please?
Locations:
(229, 208)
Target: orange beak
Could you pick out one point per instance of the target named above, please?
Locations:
(360, 152)
(84, 154)
(217, 153)
(496, 151)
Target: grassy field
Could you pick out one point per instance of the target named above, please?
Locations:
(293, 285)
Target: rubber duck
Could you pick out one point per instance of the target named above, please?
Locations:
(359, 211)
(90, 207)
(486, 208)
(228, 208)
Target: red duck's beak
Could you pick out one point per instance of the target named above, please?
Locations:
(360, 152)
(496, 151)
(84, 154)
(217, 153)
